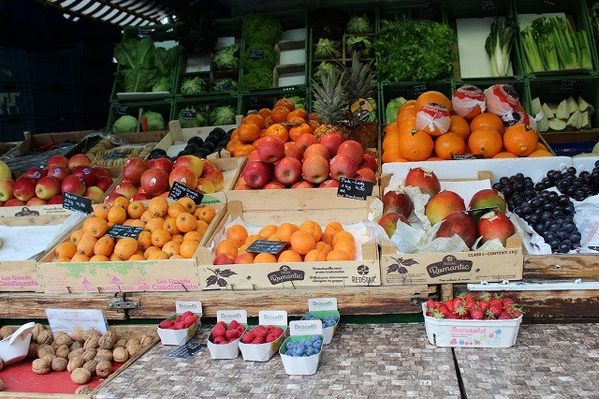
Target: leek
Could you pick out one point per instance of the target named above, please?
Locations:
(534, 60)
(499, 45)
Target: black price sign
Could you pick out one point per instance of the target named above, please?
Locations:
(359, 46)
(121, 109)
(144, 32)
(354, 188)
(488, 5)
(186, 351)
(225, 85)
(567, 85)
(467, 156)
(256, 53)
(121, 231)
(270, 247)
(181, 190)
(188, 114)
(420, 88)
(254, 101)
(76, 203)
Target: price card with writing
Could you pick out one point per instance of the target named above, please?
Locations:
(181, 190)
(271, 247)
(256, 53)
(187, 351)
(354, 188)
(121, 231)
(121, 110)
(420, 88)
(66, 319)
(76, 203)
(467, 156)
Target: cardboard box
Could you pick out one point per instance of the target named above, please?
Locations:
(300, 330)
(263, 352)
(471, 333)
(130, 276)
(324, 309)
(295, 208)
(179, 337)
(230, 350)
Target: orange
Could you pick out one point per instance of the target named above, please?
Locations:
(326, 238)
(407, 103)
(487, 119)
(233, 144)
(541, 146)
(434, 159)
(337, 254)
(346, 246)
(296, 131)
(289, 255)
(267, 231)
(205, 213)
(150, 250)
(275, 237)
(160, 237)
(540, 153)
(405, 113)
(324, 247)
(264, 257)
(248, 132)
(76, 236)
(158, 207)
(315, 256)
(101, 210)
(65, 250)
(264, 112)
(99, 258)
(147, 215)
(157, 255)
(178, 237)
(137, 223)
(155, 224)
(302, 241)
(228, 247)
(95, 226)
(392, 154)
(313, 228)
(285, 230)
(135, 209)
(144, 240)
(186, 222)
(252, 238)
(117, 214)
(459, 126)
(202, 227)
(188, 248)
(279, 114)
(433, 96)
(407, 126)
(175, 209)
(125, 247)
(343, 236)
(104, 246)
(189, 204)
(520, 139)
(86, 245)
(391, 139)
(192, 235)
(80, 258)
(170, 225)
(333, 227)
(287, 103)
(449, 144)
(416, 146)
(136, 256)
(123, 202)
(278, 130)
(505, 154)
(254, 118)
(238, 234)
(243, 150)
(298, 112)
(295, 119)
(171, 248)
(485, 141)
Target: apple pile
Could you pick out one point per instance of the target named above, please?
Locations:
(144, 180)
(305, 163)
(485, 216)
(38, 186)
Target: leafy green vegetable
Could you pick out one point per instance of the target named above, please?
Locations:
(125, 124)
(136, 80)
(257, 78)
(326, 48)
(359, 24)
(196, 34)
(163, 84)
(165, 60)
(322, 69)
(299, 102)
(227, 58)
(195, 85)
(155, 121)
(133, 53)
(532, 53)
(415, 50)
(259, 55)
(191, 117)
(224, 115)
(392, 108)
(499, 45)
(361, 44)
(262, 28)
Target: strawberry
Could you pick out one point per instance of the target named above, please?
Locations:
(218, 331)
(484, 304)
(495, 308)
(430, 304)
(444, 311)
(231, 335)
(449, 305)
(248, 338)
(507, 301)
(513, 310)
(504, 315)
(234, 324)
(457, 302)
(476, 313)
(166, 324)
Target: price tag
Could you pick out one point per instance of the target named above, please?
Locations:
(187, 351)
(76, 203)
(254, 101)
(424, 5)
(359, 46)
(114, 155)
(420, 88)
(121, 231)
(121, 110)
(187, 114)
(354, 188)
(270, 247)
(567, 85)
(181, 190)
(144, 32)
(488, 5)
(256, 53)
(467, 156)
(225, 85)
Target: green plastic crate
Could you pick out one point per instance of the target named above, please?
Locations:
(118, 109)
(205, 104)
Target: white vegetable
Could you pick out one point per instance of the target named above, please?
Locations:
(536, 105)
(547, 111)
(585, 120)
(572, 105)
(543, 124)
(575, 120)
(562, 110)
(557, 124)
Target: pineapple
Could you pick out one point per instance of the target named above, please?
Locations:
(329, 103)
(360, 86)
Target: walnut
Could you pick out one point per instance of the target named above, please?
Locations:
(91, 366)
(62, 338)
(107, 340)
(43, 350)
(78, 333)
(40, 366)
(1, 385)
(103, 368)
(91, 342)
(76, 345)
(104, 354)
(75, 363)
(145, 340)
(121, 342)
(91, 332)
(1, 364)
(89, 354)
(75, 353)
(32, 353)
(49, 358)
(44, 337)
(62, 351)
(132, 347)
(81, 375)
(36, 330)
(84, 390)
(59, 364)
(6, 331)
(54, 345)
(120, 354)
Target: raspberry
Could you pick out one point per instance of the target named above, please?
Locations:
(258, 340)
(218, 340)
(260, 330)
(233, 325)
(240, 330)
(271, 337)
(269, 329)
(231, 335)
(278, 330)
(222, 324)
(218, 331)
(248, 338)
(225, 342)
(179, 325)
(188, 313)
(166, 324)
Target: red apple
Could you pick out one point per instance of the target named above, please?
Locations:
(47, 187)
(273, 185)
(292, 150)
(397, 202)
(486, 198)
(244, 258)
(94, 193)
(442, 205)
(317, 149)
(425, 179)
(59, 160)
(36, 173)
(100, 171)
(204, 185)
(329, 183)
(134, 168)
(332, 141)
(494, 225)
(270, 149)
(86, 173)
(24, 188)
(366, 174)
(223, 259)
(6, 189)
(141, 197)
(352, 149)
(369, 161)
(305, 140)
(109, 199)
(315, 169)
(14, 202)
(459, 223)
(126, 188)
(78, 160)
(56, 200)
(60, 172)
(164, 163)
(183, 175)
(213, 174)
(193, 162)
(104, 182)
(389, 222)
(302, 184)
(36, 201)
(256, 174)
(343, 165)
(241, 185)
(73, 184)
(288, 170)
(253, 156)
(154, 182)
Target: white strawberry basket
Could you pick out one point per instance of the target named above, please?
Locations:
(471, 333)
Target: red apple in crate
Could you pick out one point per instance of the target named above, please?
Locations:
(58, 160)
(141, 197)
(288, 170)
(369, 161)
(241, 185)
(315, 169)
(253, 156)
(317, 149)
(425, 179)
(256, 174)
(165, 164)
(459, 223)
(134, 168)
(292, 150)
(104, 182)
(493, 225)
(94, 193)
(389, 222)
(332, 141)
(100, 171)
(47, 187)
(36, 201)
(73, 184)
(36, 173)
(24, 188)
(397, 202)
(205, 186)
(14, 202)
(244, 258)
(273, 185)
(56, 200)
(270, 149)
(86, 173)
(305, 140)
(60, 172)
(192, 162)
(442, 205)
(154, 182)
(486, 198)
(329, 183)
(111, 197)
(343, 165)
(126, 188)
(302, 184)
(366, 174)
(183, 175)
(213, 174)
(6, 189)
(223, 259)
(78, 160)
(352, 149)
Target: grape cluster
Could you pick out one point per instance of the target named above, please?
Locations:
(328, 321)
(306, 347)
(516, 190)
(579, 187)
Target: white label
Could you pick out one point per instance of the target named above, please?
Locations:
(66, 319)
(322, 304)
(192, 306)
(272, 317)
(229, 315)
(305, 327)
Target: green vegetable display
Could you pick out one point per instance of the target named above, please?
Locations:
(185, 117)
(414, 50)
(326, 49)
(155, 121)
(259, 55)
(258, 78)
(359, 24)
(227, 58)
(499, 45)
(193, 85)
(322, 69)
(262, 28)
(299, 102)
(224, 115)
(125, 124)
(362, 44)
(392, 108)
(163, 84)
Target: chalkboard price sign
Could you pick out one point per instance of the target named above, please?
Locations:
(420, 88)
(76, 203)
(359, 46)
(354, 188)
(270, 247)
(121, 110)
(188, 114)
(181, 190)
(121, 231)
(256, 53)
